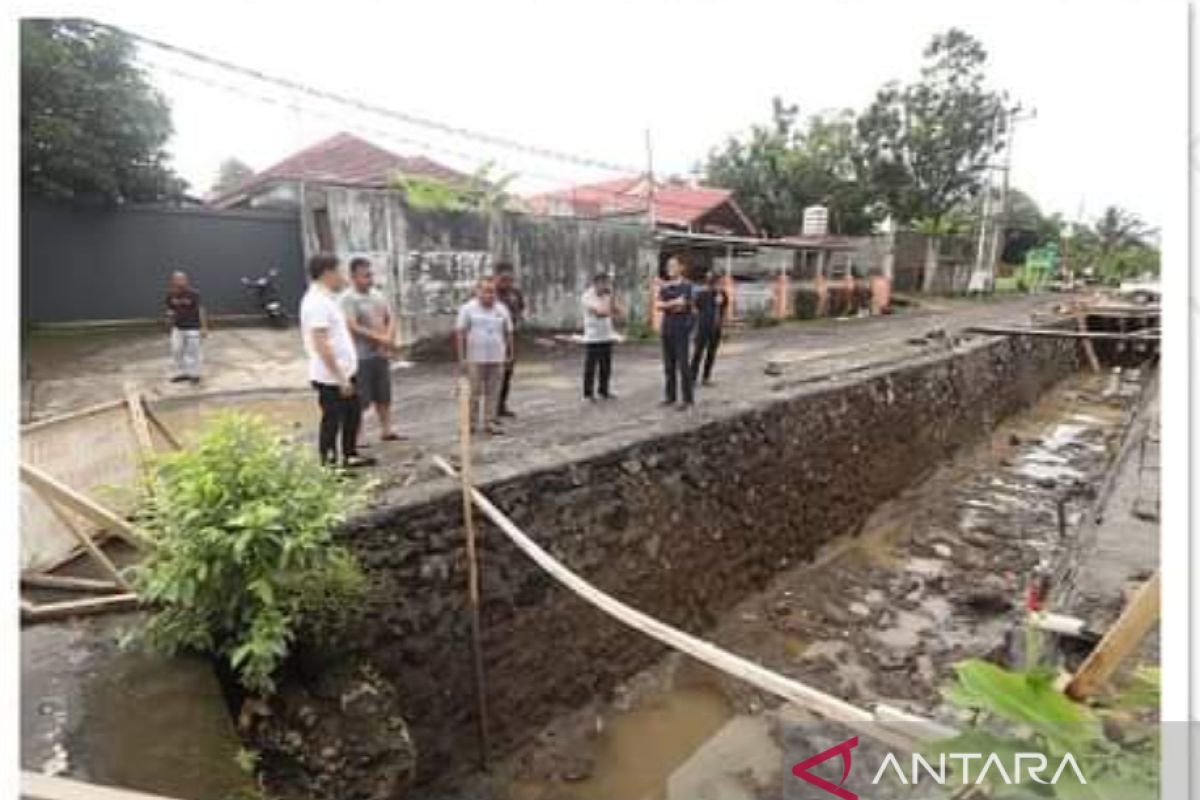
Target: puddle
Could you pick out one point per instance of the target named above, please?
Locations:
(631, 754)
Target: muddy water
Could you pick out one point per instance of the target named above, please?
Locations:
(934, 576)
(94, 712)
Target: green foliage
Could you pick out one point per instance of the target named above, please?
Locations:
(927, 144)
(1022, 712)
(243, 525)
(481, 192)
(91, 123)
(779, 169)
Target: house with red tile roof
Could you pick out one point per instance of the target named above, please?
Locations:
(341, 160)
(674, 205)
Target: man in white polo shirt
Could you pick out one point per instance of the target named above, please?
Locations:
(332, 362)
(484, 343)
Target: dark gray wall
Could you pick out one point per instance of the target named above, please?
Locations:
(112, 264)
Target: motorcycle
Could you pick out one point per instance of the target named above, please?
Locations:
(266, 296)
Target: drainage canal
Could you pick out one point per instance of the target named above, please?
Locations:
(859, 535)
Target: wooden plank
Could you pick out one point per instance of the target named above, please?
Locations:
(84, 506)
(86, 542)
(137, 416)
(77, 552)
(1085, 335)
(38, 424)
(171, 439)
(1088, 349)
(46, 612)
(35, 786)
(68, 583)
(1136, 620)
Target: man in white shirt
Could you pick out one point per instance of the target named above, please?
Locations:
(332, 362)
(483, 339)
(599, 311)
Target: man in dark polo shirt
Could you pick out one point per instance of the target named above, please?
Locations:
(513, 299)
(189, 325)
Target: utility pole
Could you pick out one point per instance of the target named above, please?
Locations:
(978, 281)
(650, 182)
(1014, 116)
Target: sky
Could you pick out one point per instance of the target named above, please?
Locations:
(593, 78)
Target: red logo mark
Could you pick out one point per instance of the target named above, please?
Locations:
(843, 749)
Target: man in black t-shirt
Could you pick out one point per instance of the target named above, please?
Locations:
(189, 324)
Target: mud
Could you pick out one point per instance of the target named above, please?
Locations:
(934, 576)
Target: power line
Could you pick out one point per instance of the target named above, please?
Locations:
(474, 160)
(412, 119)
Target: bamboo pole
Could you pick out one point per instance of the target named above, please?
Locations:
(35, 786)
(80, 504)
(76, 608)
(464, 436)
(68, 583)
(885, 723)
(1119, 641)
(85, 541)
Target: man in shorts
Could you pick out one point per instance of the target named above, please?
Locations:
(373, 326)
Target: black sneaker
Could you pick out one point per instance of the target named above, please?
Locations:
(354, 462)
(179, 378)
(608, 396)
(506, 412)
(666, 403)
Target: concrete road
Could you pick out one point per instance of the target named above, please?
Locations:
(64, 372)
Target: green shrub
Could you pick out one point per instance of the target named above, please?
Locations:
(243, 521)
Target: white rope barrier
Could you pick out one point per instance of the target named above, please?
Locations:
(885, 722)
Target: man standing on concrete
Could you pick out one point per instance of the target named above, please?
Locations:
(674, 302)
(189, 325)
(599, 311)
(484, 342)
(332, 363)
(711, 305)
(371, 322)
(514, 300)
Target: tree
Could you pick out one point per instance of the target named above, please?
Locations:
(91, 123)
(231, 174)
(926, 145)
(479, 192)
(1117, 246)
(780, 169)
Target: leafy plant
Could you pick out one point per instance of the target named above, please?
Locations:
(1021, 711)
(480, 192)
(243, 522)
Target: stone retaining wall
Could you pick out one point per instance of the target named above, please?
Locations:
(682, 527)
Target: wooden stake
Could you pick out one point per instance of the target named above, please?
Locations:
(68, 583)
(161, 427)
(464, 435)
(75, 608)
(1138, 618)
(1088, 349)
(85, 541)
(137, 418)
(54, 489)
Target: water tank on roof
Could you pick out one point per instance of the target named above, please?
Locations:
(816, 221)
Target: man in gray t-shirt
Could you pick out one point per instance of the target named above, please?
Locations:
(371, 322)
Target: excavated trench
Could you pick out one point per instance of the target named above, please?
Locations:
(859, 534)
(782, 533)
